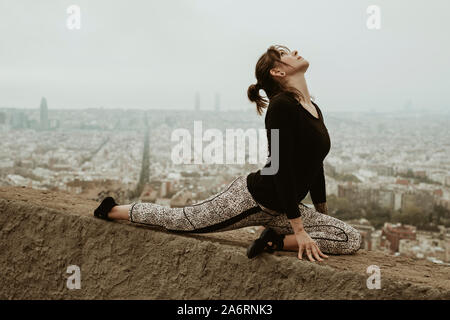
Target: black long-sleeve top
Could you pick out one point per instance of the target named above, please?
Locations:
(303, 144)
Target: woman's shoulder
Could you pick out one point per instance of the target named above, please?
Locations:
(283, 101)
(283, 109)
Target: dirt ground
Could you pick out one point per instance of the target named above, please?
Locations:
(393, 269)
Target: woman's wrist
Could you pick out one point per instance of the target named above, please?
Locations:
(297, 225)
(321, 207)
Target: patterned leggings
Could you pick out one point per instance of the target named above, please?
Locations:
(235, 208)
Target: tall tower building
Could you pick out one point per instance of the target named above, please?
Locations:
(197, 101)
(44, 114)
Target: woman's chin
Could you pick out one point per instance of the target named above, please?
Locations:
(303, 67)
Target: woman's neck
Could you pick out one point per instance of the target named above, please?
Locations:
(298, 81)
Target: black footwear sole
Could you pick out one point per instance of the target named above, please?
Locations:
(259, 245)
(104, 208)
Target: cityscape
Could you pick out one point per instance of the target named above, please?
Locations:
(387, 173)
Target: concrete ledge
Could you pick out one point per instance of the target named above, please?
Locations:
(42, 233)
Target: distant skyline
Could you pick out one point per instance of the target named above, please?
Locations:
(160, 54)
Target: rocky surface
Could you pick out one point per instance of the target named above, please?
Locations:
(42, 233)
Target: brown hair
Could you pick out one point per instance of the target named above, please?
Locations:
(265, 81)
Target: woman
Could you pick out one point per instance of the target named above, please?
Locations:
(270, 200)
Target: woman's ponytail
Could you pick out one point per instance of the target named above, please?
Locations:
(253, 96)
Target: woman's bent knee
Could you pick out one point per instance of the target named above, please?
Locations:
(354, 241)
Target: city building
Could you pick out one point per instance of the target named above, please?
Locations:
(44, 114)
(395, 232)
(434, 246)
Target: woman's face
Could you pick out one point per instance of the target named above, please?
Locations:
(295, 63)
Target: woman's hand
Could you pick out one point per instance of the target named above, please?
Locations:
(308, 246)
(304, 241)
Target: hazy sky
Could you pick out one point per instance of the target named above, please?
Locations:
(157, 54)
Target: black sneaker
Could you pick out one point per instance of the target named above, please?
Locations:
(261, 244)
(104, 208)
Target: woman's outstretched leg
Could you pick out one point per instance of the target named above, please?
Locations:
(232, 208)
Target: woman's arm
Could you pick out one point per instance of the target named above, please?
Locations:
(321, 207)
(281, 116)
(318, 192)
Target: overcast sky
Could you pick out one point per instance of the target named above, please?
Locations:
(157, 54)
